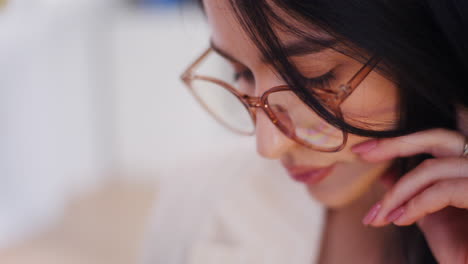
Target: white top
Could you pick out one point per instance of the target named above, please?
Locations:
(233, 208)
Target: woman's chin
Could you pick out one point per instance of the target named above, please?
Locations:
(333, 200)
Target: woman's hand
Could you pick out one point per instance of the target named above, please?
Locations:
(434, 194)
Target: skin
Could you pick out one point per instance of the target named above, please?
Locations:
(422, 196)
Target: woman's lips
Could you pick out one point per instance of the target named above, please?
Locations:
(309, 176)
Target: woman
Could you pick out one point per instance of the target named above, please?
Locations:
(363, 102)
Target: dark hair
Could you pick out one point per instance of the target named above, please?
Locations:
(423, 45)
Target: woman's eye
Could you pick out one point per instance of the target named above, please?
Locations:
(247, 75)
(322, 82)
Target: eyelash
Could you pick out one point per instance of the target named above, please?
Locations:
(321, 82)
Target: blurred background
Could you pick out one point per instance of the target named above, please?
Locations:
(89, 122)
(106, 158)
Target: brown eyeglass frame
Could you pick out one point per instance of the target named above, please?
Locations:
(333, 98)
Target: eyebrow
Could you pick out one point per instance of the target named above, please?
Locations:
(296, 48)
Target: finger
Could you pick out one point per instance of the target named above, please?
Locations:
(433, 199)
(437, 142)
(415, 181)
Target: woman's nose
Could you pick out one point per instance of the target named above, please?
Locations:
(271, 142)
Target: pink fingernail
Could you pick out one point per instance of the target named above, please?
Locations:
(372, 214)
(395, 214)
(364, 147)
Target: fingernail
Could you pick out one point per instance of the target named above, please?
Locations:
(364, 147)
(371, 214)
(395, 214)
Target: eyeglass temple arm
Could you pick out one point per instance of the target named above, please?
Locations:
(335, 97)
(363, 72)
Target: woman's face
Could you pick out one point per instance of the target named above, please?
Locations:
(334, 179)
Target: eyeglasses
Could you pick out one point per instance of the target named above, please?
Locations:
(231, 103)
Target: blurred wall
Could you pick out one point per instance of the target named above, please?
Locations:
(51, 109)
(90, 91)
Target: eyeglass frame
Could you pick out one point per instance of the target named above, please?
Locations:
(333, 98)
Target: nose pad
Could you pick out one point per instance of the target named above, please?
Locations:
(283, 116)
(271, 142)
